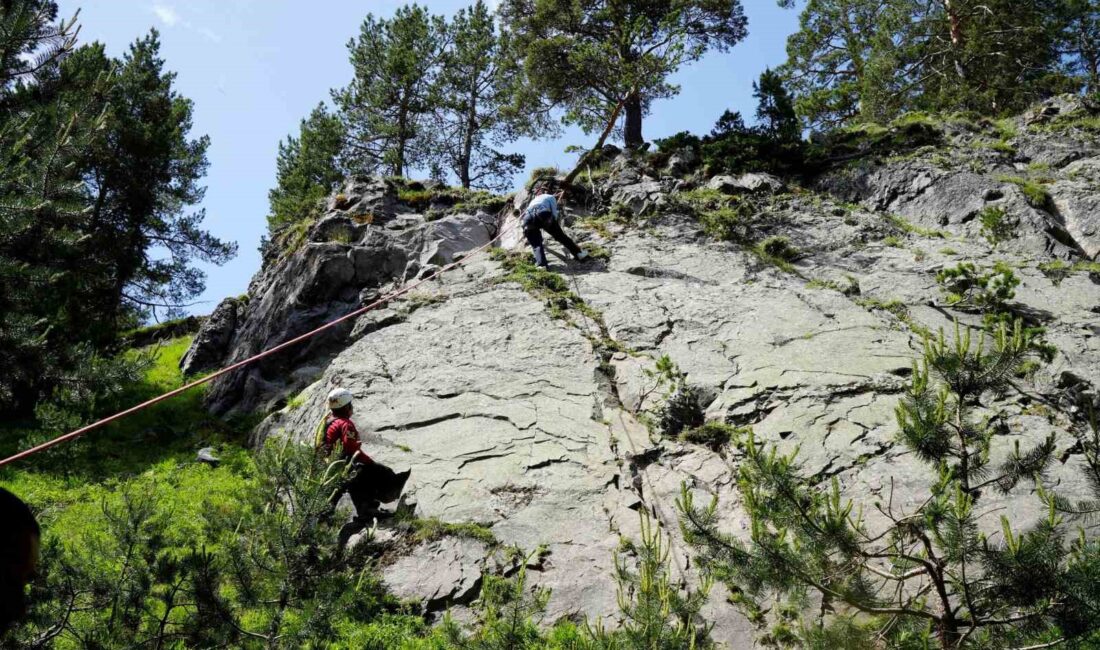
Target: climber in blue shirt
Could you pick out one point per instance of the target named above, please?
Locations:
(543, 213)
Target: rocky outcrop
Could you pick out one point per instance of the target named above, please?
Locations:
(366, 243)
(534, 427)
(1044, 179)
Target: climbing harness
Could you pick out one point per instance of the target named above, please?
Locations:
(240, 364)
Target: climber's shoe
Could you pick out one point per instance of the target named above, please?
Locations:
(582, 256)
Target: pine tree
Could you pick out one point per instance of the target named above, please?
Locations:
(42, 207)
(775, 109)
(307, 168)
(147, 172)
(989, 56)
(920, 577)
(282, 577)
(655, 613)
(384, 108)
(1080, 41)
(473, 100)
(871, 60)
(842, 62)
(593, 56)
(100, 170)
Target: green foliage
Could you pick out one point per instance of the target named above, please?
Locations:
(778, 251)
(472, 103)
(997, 225)
(1035, 193)
(894, 306)
(1058, 270)
(968, 287)
(429, 530)
(855, 61)
(505, 613)
(145, 546)
(99, 168)
(307, 169)
(683, 409)
(893, 241)
(542, 174)
(386, 106)
(712, 434)
(596, 252)
(918, 578)
(905, 226)
(588, 57)
(416, 198)
(656, 614)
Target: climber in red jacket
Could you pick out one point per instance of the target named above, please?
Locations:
(369, 482)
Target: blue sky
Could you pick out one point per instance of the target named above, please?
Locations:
(254, 68)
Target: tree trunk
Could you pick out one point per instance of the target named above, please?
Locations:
(955, 29)
(599, 145)
(468, 142)
(632, 131)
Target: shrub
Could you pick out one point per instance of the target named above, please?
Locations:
(711, 434)
(542, 173)
(1034, 192)
(415, 198)
(778, 251)
(683, 410)
(997, 226)
(967, 286)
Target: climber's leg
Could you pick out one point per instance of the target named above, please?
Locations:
(554, 228)
(533, 233)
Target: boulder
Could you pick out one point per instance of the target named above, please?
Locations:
(210, 345)
(641, 197)
(752, 183)
(682, 161)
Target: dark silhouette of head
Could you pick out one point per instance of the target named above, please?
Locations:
(19, 539)
(343, 412)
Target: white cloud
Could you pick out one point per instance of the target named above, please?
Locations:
(167, 14)
(210, 34)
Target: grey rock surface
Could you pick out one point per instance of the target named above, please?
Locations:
(526, 425)
(211, 342)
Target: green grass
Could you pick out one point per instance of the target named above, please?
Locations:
(893, 306)
(1005, 128)
(1058, 270)
(539, 173)
(817, 283)
(414, 198)
(596, 252)
(893, 241)
(777, 251)
(997, 225)
(151, 452)
(1034, 191)
(913, 229)
(948, 251)
(712, 434)
(432, 529)
(1002, 146)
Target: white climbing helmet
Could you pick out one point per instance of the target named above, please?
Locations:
(339, 398)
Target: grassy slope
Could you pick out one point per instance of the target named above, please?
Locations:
(152, 453)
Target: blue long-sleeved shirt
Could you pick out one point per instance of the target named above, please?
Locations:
(541, 203)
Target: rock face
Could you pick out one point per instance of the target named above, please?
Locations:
(363, 246)
(525, 424)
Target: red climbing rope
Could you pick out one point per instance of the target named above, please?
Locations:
(240, 364)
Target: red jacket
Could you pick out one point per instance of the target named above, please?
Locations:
(343, 430)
